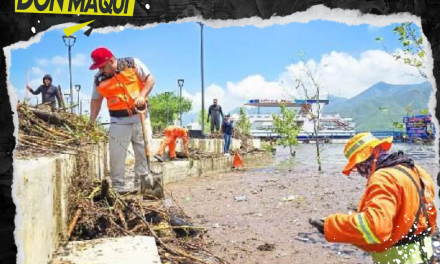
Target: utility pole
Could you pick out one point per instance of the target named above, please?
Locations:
(203, 81)
(180, 83)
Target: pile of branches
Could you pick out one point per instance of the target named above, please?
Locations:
(43, 130)
(244, 138)
(215, 136)
(102, 213)
(197, 154)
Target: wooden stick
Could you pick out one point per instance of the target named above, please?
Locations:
(92, 194)
(172, 250)
(126, 232)
(73, 223)
(178, 227)
(136, 228)
(122, 218)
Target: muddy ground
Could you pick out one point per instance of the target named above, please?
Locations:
(261, 228)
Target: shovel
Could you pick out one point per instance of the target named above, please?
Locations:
(151, 184)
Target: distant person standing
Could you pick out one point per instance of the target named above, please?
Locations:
(48, 93)
(227, 128)
(215, 111)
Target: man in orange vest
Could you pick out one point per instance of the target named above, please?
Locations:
(396, 216)
(125, 83)
(172, 133)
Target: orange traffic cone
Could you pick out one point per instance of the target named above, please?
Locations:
(238, 162)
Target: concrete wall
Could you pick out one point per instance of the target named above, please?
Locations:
(205, 145)
(179, 170)
(42, 189)
(41, 186)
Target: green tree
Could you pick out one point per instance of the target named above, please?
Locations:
(243, 124)
(307, 85)
(164, 109)
(286, 126)
(411, 42)
(207, 127)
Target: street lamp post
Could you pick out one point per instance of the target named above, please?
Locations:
(167, 94)
(203, 83)
(67, 97)
(78, 88)
(180, 83)
(69, 41)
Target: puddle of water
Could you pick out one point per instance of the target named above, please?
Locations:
(332, 156)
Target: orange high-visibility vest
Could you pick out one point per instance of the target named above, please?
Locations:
(121, 90)
(386, 211)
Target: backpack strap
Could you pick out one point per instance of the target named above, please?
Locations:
(411, 237)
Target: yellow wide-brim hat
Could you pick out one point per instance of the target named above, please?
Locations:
(360, 147)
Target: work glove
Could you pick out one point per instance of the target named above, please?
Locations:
(318, 223)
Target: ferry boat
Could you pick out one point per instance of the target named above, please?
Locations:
(332, 127)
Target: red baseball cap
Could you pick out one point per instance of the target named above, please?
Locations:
(99, 57)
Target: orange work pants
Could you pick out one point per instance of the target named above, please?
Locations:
(170, 141)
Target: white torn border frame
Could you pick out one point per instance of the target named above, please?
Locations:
(319, 12)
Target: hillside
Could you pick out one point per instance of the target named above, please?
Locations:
(364, 108)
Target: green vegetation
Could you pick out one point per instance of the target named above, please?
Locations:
(164, 109)
(286, 127)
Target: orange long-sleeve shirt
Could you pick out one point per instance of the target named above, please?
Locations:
(386, 211)
(176, 132)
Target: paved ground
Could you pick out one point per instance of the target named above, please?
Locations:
(262, 228)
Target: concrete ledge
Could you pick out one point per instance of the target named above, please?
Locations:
(205, 145)
(42, 188)
(121, 250)
(180, 170)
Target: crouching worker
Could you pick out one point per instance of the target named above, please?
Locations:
(172, 133)
(396, 217)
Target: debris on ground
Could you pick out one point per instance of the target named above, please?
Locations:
(101, 213)
(240, 198)
(266, 247)
(288, 198)
(44, 131)
(197, 154)
(215, 136)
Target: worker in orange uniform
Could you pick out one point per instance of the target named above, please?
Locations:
(396, 217)
(172, 133)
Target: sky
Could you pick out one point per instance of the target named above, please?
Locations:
(240, 63)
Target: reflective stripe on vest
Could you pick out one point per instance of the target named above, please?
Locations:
(364, 228)
(405, 254)
(121, 90)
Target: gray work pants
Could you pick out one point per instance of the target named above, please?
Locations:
(120, 137)
(215, 123)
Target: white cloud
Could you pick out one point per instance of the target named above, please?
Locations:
(339, 74)
(78, 60)
(211, 92)
(36, 72)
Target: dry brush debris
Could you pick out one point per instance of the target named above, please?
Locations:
(101, 212)
(43, 131)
